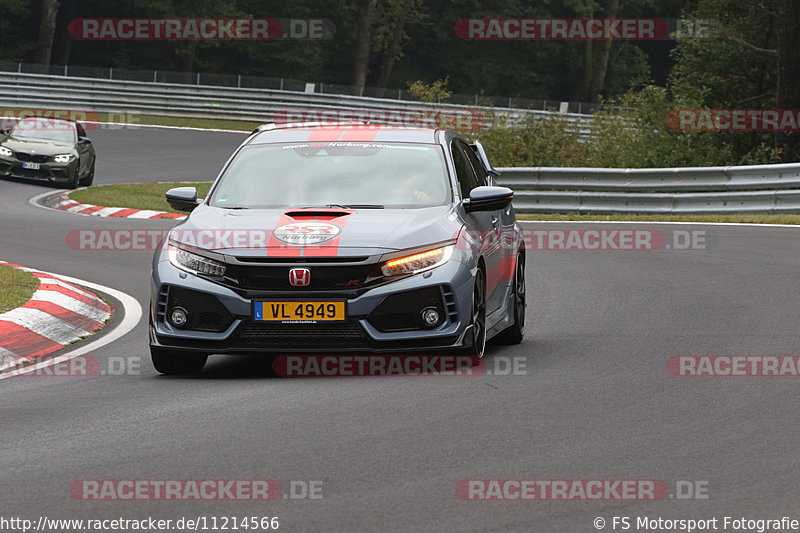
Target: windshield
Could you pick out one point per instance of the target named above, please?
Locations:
(45, 129)
(346, 174)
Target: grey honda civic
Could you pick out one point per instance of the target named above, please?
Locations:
(340, 238)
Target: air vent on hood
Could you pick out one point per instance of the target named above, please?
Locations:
(316, 213)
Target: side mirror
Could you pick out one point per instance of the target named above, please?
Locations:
(183, 198)
(84, 140)
(488, 198)
(5, 131)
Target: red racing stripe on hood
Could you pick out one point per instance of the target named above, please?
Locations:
(330, 248)
(276, 248)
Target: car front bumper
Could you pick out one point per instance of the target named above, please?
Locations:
(49, 171)
(358, 333)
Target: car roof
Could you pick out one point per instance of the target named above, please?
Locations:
(345, 132)
(48, 120)
(39, 117)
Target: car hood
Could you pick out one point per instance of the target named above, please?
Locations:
(315, 232)
(40, 146)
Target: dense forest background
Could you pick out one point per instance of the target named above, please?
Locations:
(751, 59)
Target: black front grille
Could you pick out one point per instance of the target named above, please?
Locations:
(319, 335)
(32, 158)
(403, 311)
(28, 173)
(205, 312)
(161, 304)
(450, 303)
(323, 277)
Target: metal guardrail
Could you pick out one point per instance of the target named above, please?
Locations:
(287, 84)
(260, 105)
(744, 189)
(739, 189)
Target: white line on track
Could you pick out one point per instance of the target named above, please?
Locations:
(133, 313)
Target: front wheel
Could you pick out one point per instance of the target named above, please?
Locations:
(74, 182)
(513, 334)
(176, 362)
(478, 319)
(85, 182)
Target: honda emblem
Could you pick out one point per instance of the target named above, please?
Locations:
(299, 277)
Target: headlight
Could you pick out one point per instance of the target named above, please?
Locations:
(412, 264)
(63, 158)
(5, 151)
(194, 263)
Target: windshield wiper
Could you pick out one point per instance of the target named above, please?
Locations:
(356, 206)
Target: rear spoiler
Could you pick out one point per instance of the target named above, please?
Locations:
(484, 159)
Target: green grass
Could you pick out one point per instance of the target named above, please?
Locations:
(135, 118)
(206, 123)
(135, 196)
(16, 287)
(622, 217)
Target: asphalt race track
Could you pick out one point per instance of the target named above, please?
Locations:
(595, 400)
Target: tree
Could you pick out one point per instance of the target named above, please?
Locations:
(47, 32)
(361, 60)
(788, 74)
(753, 61)
(399, 15)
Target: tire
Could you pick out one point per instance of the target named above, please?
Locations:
(478, 319)
(74, 182)
(85, 182)
(513, 334)
(175, 362)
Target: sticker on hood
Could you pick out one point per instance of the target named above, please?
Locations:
(303, 233)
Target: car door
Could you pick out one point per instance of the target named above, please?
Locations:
(483, 225)
(84, 150)
(503, 230)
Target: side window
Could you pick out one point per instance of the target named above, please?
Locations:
(466, 176)
(477, 165)
(81, 132)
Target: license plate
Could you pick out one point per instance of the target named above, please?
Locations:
(31, 166)
(299, 311)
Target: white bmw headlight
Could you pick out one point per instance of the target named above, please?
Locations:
(419, 262)
(194, 263)
(5, 151)
(63, 158)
